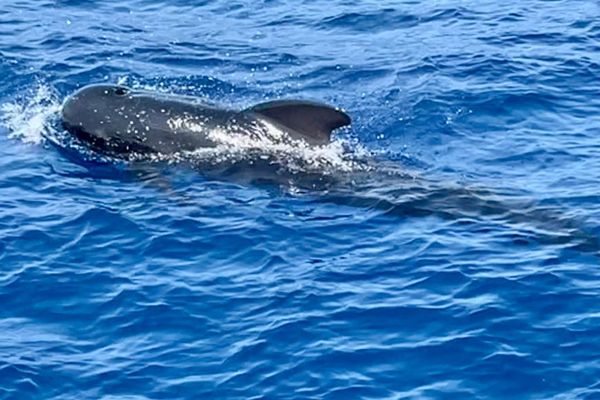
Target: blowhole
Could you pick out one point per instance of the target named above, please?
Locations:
(121, 91)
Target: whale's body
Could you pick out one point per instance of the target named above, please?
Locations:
(120, 120)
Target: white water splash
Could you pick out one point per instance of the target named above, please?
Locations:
(265, 141)
(30, 119)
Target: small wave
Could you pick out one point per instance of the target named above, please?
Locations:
(30, 119)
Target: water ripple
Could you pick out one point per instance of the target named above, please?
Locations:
(446, 246)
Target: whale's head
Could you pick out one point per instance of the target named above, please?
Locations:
(97, 113)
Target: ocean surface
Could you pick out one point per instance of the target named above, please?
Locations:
(445, 246)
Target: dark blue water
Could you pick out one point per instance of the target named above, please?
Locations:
(470, 271)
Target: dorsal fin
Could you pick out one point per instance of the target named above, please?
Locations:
(311, 121)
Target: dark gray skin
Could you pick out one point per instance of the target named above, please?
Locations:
(119, 120)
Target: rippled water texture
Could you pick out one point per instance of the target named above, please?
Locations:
(445, 246)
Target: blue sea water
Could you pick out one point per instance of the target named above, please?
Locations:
(445, 246)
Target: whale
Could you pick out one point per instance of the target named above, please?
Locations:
(120, 120)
